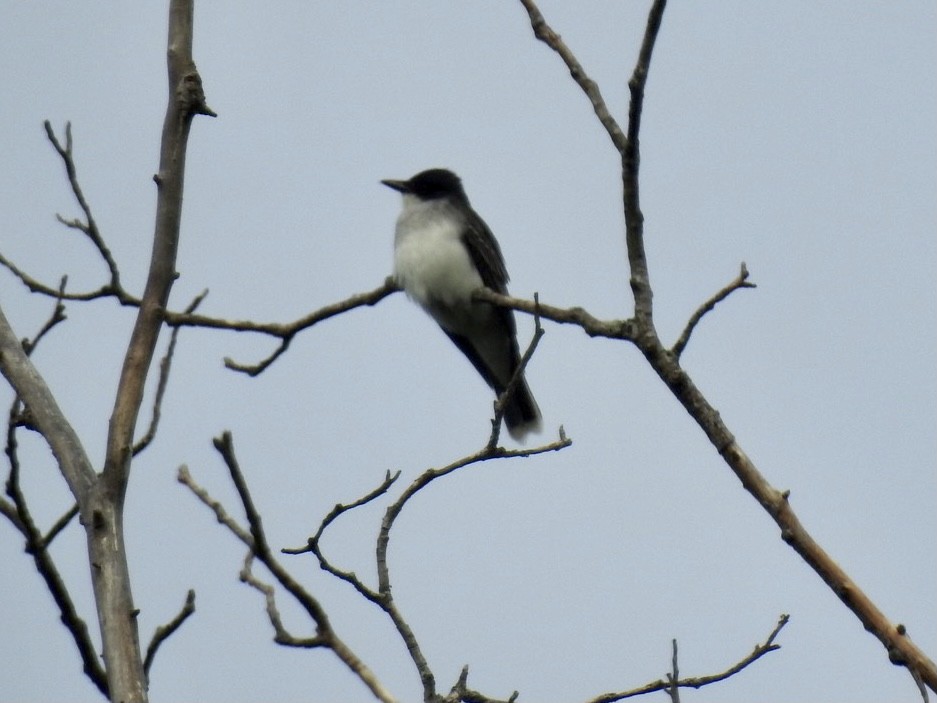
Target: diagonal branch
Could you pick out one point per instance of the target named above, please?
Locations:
(44, 412)
(673, 682)
(287, 331)
(741, 281)
(502, 400)
(281, 635)
(17, 511)
(164, 367)
(901, 650)
(314, 543)
(545, 33)
(59, 525)
(255, 539)
(89, 227)
(164, 632)
(57, 316)
(387, 602)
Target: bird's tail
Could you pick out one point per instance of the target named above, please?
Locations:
(521, 414)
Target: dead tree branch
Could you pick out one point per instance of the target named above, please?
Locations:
(287, 331)
(672, 681)
(901, 650)
(89, 227)
(36, 545)
(502, 400)
(383, 596)
(100, 498)
(741, 281)
(164, 367)
(255, 539)
(164, 632)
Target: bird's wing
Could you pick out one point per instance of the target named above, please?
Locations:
(486, 254)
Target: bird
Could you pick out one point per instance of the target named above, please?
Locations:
(443, 251)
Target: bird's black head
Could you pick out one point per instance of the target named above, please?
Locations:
(432, 184)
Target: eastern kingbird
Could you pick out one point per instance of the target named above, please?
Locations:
(442, 252)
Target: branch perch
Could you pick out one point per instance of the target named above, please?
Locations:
(901, 650)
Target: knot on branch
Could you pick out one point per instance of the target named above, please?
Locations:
(191, 95)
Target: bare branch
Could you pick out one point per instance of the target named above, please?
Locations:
(502, 400)
(164, 368)
(698, 682)
(36, 286)
(280, 634)
(89, 227)
(58, 315)
(741, 281)
(185, 478)
(286, 331)
(60, 525)
(37, 547)
(313, 544)
(673, 677)
(386, 601)
(631, 162)
(545, 33)
(460, 692)
(256, 541)
(45, 414)
(594, 327)
(641, 331)
(164, 632)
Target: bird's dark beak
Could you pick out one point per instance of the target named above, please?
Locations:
(400, 186)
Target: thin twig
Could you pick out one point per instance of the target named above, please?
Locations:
(698, 682)
(36, 286)
(741, 281)
(256, 541)
(60, 525)
(164, 632)
(314, 543)
(387, 602)
(286, 331)
(461, 693)
(501, 401)
(281, 635)
(545, 33)
(36, 546)
(57, 316)
(221, 515)
(165, 365)
(674, 676)
(89, 227)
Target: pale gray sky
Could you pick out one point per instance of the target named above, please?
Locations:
(796, 137)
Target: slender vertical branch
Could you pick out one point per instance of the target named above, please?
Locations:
(186, 99)
(901, 650)
(630, 168)
(106, 548)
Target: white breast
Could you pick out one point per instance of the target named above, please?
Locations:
(430, 260)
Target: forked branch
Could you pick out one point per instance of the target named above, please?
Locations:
(254, 538)
(901, 650)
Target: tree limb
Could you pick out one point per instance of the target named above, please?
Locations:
(741, 281)
(164, 632)
(255, 539)
(89, 227)
(37, 546)
(672, 682)
(901, 650)
(164, 367)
